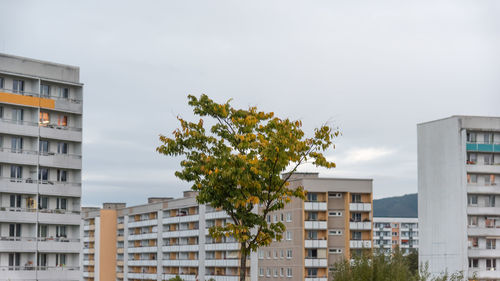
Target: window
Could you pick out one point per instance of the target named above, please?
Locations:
(1, 82)
(43, 147)
(62, 203)
(60, 259)
(261, 254)
(289, 253)
(473, 242)
(64, 93)
(14, 259)
(275, 218)
(487, 180)
(42, 231)
(471, 137)
(355, 217)
(473, 263)
(61, 231)
(472, 178)
(334, 195)
(488, 137)
(268, 254)
(15, 230)
(490, 201)
(268, 218)
(312, 234)
(491, 244)
(356, 198)
(289, 217)
(276, 254)
(356, 235)
(15, 201)
(289, 272)
(16, 145)
(472, 158)
(491, 264)
(282, 272)
(312, 272)
(268, 272)
(62, 175)
(18, 86)
(17, 115)
(472, 199)
(1, 112)
(312, 253)
(282, 252)
(43, 202)
(261, 271)
(275, 272)
(335, 251)
(312, 197)
(62, 120)
(282, 217)
(335, 232)
(44, 118)
(312, 216)
(62, 148)
(288, 235)
(335, 214)
(43, 174)
(16, 172)
(42, 260)
(44, 90)
(472, 221)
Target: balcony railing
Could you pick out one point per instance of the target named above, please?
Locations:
(483, 147)
(34, 181)
(42, 239)
(36, 95)
(29, 267)
(31, 123)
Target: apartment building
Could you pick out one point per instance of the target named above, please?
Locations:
(332, 224)
(40, 169)
(458, 183)
(169, 237)
(157, 241)
(392, 233)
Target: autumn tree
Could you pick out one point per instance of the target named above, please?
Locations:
(237, 165)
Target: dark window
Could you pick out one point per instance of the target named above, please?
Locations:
(356, 198)
(43, 174)
(61, 203)
(64, 93)
(18, 86)
(16, 171)
(45, 90)
(15, 201)
(62, 148)
(16, 145)
(42, 260)
(61, 231)
(14, 259)
(313, 197)
(17, 115)
(15, 230)
(62, 175)
(43, 202)
(1, 82)
(42, 231)
(44, 147)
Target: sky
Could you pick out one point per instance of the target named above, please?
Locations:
(373, 68)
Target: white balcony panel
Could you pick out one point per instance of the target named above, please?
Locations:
(360, 225)
(315, 225)
(316, 279)
(223, 263)
(178, 219)
(360, 207)
(222, 246)
(62, 134)
(25, 246)
(60, 189)
(483, 189)
(143, 236)
(48, 218)
(19, 217)
(483, 253)
(489, 169)
(59, 247)
(59, 274)
(147, 276)
(222, 278)
(316, 244)
(11, 128)
(23, 158)
(316, 262)
(68, 106)
(143, 223)
(216, 215)
(482, 231)
(61, 161)
(143, 249)
(23, 186)
(143, 263)
(315, 206)
(180, 262)
(360, 244)
(476, 210)
(181, 233)
(181, 248)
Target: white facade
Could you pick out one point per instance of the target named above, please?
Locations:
(40, 169)
(458, 175)
(389, 233)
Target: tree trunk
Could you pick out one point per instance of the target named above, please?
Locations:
(243, 262)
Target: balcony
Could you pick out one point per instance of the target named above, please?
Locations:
(315, 206)
(483, 147)
(360, 244)
(180, 262)
(143, 249)
(51, 216)
(61, 132)
(481, 210)
(144, 236)
(179, 219)
(67, 161)
(222, 262)
(360, 207)
(142, 262)
(478, 168)
(222, 247)
(360, 225)
(482, 253)
(483, 231)
(314, 262)
(20, 128)
(18, 215)
(484, 274)
(20, 157)
(43, 273)
(316, 279)
(34, 99)
(142, 223)
(59, 245)
(181, 233)
(147, 276)
(18, 244)
(484, 189)
(315, 225)
(316, 243)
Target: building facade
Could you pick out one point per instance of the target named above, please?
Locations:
(169, 237)
(40, 169)
(392, 233)
(458, 175)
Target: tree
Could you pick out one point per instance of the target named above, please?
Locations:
(237, 165)
(176, 278)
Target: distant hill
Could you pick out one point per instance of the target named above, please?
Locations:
(405, 206)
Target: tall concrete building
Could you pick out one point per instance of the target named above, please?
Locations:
(40, 169)
(458, 175)
(391, 233)
(169, 237)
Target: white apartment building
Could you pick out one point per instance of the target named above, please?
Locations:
(458, 183)
(40, 169)
(390, 233)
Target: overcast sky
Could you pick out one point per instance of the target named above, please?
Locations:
(374, 68)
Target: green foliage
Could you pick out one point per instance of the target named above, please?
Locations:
(176, 278)
(395, 267)
(238, 163)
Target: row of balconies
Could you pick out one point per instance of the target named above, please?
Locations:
(48, 245)
(26, 128)
(30, 186)
(40, 273)
(28, 157)
(65, 104)
(30, 216)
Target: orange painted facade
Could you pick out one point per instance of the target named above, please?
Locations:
(107, 261)
(27, 100)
